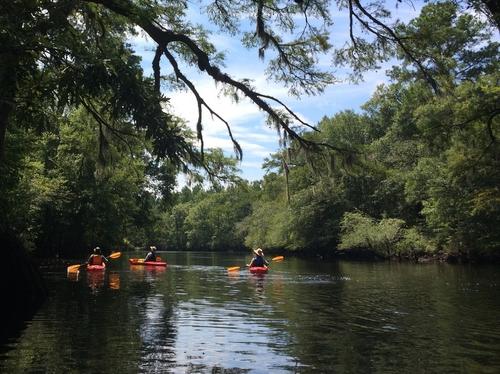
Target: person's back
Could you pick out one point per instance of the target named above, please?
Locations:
(95, 259)
(151, 256)
(258, 261)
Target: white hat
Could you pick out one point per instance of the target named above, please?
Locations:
(258, 252)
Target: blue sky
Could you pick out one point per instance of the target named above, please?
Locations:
(247, 122)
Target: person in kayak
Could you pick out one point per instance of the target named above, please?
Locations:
(151, 256)
(258, 260)
(96, 258)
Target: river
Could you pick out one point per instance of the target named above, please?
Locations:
(304, 316)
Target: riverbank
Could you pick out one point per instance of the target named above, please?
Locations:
(372, 256)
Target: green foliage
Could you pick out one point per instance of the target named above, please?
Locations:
(92, 154)
(385, 237)
(430, 162)
(206, 220)
(414, 243)
(459, 49)
(363, 232)
(268, 226)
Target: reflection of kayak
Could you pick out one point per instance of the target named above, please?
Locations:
(96, 267)
(140, 261)
(258, 269)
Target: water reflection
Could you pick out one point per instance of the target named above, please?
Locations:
(209, 335)
(114, 281)
(140, 269)
(304, 316)
(73, 276)
(149, 274)
(157, 334)
(95, 280)
(258, 281)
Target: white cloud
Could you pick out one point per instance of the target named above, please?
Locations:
(184, 104)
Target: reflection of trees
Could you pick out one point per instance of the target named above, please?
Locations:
(386, 317)
(303, 305)
(78, 329)
(157, 333)
(151, 294)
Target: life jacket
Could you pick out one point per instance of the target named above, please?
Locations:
(96, 260)
(258, 261)
(150, 257)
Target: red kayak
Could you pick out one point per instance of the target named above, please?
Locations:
(259, 269)
(96, 267)
(140, 261)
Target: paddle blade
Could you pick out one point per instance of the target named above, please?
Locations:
(233, 268)
(74, 268)
(278, 258)
(115, 255)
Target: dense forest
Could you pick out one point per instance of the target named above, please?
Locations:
(89, 156)
(412, 174)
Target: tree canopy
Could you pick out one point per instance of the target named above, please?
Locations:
(420, 171)
(70, 52)
(90, 147)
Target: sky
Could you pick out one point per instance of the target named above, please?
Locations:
(247, 122)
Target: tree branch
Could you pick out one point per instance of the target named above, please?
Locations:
(164, 37)
(201, 102)
(398, 41)
(156, 66)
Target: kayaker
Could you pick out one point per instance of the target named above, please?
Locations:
(258, 260)
(96, 258)
(151, 256)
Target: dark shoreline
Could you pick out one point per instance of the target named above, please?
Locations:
(24, 288)
(321, 255)
(422, 258)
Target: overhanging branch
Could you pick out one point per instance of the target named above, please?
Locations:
(163, 37)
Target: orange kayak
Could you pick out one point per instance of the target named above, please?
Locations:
(96, 267)
(140, 261)
(259, 269)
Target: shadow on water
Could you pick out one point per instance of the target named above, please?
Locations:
(23, 289)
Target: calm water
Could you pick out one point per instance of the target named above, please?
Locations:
(303, 316)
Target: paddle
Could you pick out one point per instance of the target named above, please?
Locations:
(75, 268)
(236, 268)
